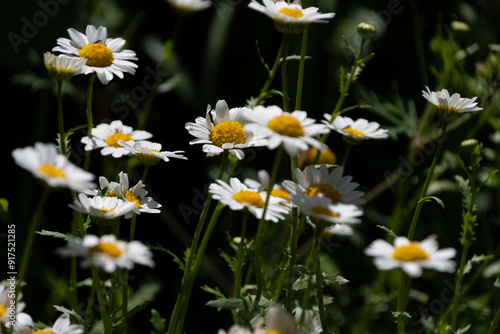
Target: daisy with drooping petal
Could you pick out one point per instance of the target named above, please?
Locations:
(102, 210)
(290, 17)
(355, 131)
(105, 56)
(107, 252)
(136, 194)
(188, 6)
(149, 153)
(62, 67)
(411, 256)
(61, 326)
(292, 130)
(46, 163)
(321, 182)
(106, 137)
(450, 107)
(320, 209)
(238, 197)
(224, 130)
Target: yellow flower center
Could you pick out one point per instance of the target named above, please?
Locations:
(411, 252)
(276, 192)
(3, 311)
(51, 171)
(353, 132)
(286, 125)
(321, 210)
(115, 137)
(106, 210)
(132, 198)
(292, 12)
(107, 248)
(449, 110)
(249, 197)
(273, 331)
(227, 132)
(97, 54)
(325, 190)
(43, 331)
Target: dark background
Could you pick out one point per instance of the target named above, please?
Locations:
(215, 63)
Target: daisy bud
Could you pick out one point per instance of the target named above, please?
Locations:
(367, 31)
(62, 67)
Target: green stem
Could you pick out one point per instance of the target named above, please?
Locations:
(260, 229)
(318, 230)
(291, 259)
(265, 89)
(494, 323)
(346, 155)
(90, 305)
(89, 118)
(183, 297)
(345, 91)
(35, 219)
(239, 258)
(100, 291)
(458, 287)
(300, 79)
(284, 75)
(420, 202)
(404, 290)
(62, 143)
(196, 266)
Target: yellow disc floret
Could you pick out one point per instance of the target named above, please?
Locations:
(97, 54)
(3, 311)
(353, 132)
(286, 125)
(107, 248)
(292, 12)
(325, 190)
(115, 137)
(52, 171)
(411, 252)
(321, 210)
(132, 198)
(228, 132)
(277, 192)
(43, 331)
(249, 197)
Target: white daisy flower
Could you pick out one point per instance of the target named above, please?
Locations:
(107, 252)
(190, 5)
(320, 182)
(104, 55)
(62, 326)
(294, 130)
(136, 194)
(263, 185)
(106, 137)
(290, 17)
(312, 321)
(149, 153)
(278, 321)
(46, 163)
(411, 256)
(224, 131)
(321, 209)
(102, 210)
(235, 329)
(355, 131)
(62, 67)
(450, 107)
(238, 197)
(339, 229)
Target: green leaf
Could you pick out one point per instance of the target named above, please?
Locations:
(389, 231)
(213, 291)
(475, 260)
(429, 198)
(72, 313)
(228, 304)
(58, 235)
(157, 322)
